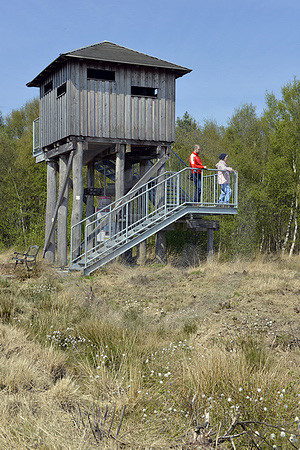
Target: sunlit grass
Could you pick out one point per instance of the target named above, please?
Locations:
(171, 344)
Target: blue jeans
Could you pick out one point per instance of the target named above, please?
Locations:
(197, 182)
(225, 193)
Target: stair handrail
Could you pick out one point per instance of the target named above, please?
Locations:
(161, 182)
(179, 158)
(110, 209)
(118, 203)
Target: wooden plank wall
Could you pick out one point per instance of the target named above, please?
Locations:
(107, 109)
(54, 110)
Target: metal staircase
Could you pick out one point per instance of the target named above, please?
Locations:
(143, 212)
(107, 168)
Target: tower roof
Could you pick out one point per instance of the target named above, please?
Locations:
(109, 52)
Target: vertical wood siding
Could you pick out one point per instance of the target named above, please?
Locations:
(54, 110)
(107, 109)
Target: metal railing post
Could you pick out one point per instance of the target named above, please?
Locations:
(236, 190)
(201, 183)
(71, 246)
(166, 198)
(146, 201)
(85, 244)
(215, 181)
(126, 221)
(178, 190)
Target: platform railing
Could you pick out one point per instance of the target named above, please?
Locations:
(142, 209)
(36, 139)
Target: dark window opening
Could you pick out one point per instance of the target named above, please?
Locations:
(96, 74)
(62, 89)
(144, 91)
(48, 87)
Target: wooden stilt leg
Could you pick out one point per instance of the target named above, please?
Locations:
(90, 208)
(120, 182)
(50, 207)
(142, 247)
(120, 169)
(62, 217)
(160, 245)
(128, 177)
(77, 198)
(210, 243)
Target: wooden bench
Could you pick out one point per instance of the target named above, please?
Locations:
(28, 258)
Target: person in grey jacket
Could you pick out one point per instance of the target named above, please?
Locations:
(224, 178)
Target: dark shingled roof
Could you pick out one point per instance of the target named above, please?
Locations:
(107, 51)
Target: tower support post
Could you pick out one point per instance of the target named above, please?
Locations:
(62, 215)
(160, 242)
(52, 169)
(77, 198)
(210, 243)
(120, 170)
(142, 247)
(90, 209)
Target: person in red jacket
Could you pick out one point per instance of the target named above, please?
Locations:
(196, 166)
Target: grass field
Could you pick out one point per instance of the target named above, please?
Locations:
(151, 357)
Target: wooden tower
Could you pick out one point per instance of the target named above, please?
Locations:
(99, 103)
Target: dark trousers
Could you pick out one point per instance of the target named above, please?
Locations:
(197, 182)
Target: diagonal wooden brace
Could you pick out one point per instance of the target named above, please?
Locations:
(58, 203)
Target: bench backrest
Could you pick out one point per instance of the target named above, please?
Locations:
(33, 250)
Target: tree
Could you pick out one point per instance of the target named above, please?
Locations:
(282, 127)
(22, 181)
(245, 143)
(188, 133)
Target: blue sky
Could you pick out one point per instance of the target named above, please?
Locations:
(237, 49)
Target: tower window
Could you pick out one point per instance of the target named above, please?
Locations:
(62, 89)
(48, 87)
(144, 91)
(105, 75)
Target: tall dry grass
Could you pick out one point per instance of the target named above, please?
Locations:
(171, 344)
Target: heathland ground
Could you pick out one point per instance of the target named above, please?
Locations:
(201, 357)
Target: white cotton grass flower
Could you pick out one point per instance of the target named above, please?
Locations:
(282, 434)
(293, 439)
(273, 436)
